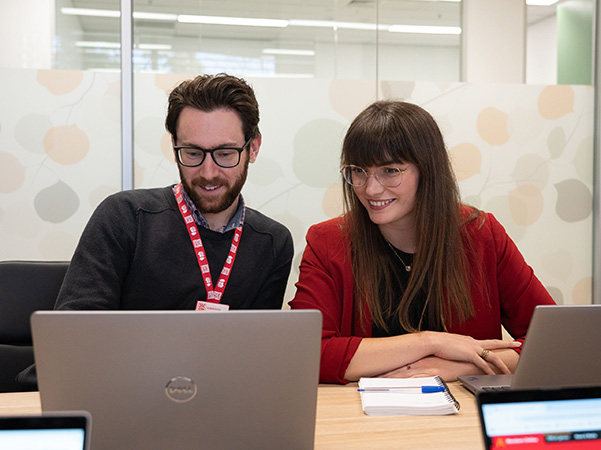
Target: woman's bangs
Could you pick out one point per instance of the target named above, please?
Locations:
(378, 136)
(376, 150)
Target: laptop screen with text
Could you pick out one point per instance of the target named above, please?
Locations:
(559, 419)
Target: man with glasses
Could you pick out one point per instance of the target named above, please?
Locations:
(195, 245)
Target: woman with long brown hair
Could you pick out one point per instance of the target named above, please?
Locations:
(410, 281)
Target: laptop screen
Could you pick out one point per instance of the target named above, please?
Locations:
(546, 419)
(216, 380)
(46, 432)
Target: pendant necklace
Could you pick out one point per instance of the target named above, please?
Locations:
(407, 268)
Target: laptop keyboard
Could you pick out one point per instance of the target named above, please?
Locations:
(495, 388)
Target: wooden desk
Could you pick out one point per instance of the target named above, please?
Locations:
(341, 423)
(20, 403)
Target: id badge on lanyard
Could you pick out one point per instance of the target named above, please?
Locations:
(214, 292)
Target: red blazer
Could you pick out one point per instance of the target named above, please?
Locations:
(326, 283)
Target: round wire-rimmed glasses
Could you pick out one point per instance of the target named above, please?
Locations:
(226, 157)
(387, 176)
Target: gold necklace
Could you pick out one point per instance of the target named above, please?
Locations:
(407, 268)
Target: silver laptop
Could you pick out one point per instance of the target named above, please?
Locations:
(561, 350)
(183, 379)
(557, 419)
(50, 431)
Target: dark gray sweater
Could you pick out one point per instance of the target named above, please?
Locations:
(135, 253)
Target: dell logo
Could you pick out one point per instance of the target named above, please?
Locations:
(180, 389)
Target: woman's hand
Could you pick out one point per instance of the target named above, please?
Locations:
(480, 353)
(375, 356)
(448, 370)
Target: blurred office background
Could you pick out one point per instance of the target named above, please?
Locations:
(511, 83)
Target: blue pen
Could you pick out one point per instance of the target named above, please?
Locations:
(407, 389)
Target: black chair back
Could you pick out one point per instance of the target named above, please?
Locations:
(25, 287)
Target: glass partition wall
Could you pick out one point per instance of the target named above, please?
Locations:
(271, 38)
(522, 151)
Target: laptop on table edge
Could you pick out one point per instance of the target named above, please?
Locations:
(554, 419)
(183, 379)
(560, 350)
(68, 430)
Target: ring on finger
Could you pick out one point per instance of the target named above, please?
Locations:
(484, 354)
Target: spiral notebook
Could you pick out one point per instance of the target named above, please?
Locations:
(407, 396)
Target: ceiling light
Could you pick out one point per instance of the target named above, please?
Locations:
(90, 12)
(97, 44)
(334, 25)
(111, 13)
(288, 51)
(242, 21)
(360, 26)
(153, 46)
(154, 16)
(423, 29)
(258, 22)
(372, 27)
(104, 44)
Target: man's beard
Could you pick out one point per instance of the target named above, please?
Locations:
(227, 199)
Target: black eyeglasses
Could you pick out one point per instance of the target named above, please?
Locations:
(226, 157)
(387, 176)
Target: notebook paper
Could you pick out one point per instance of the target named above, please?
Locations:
(410, 401)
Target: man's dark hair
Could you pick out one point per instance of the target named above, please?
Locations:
(211, 92)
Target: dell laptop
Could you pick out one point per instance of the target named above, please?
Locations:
(183, 379)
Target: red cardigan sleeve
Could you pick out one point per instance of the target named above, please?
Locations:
(511, 289)
(326, 283)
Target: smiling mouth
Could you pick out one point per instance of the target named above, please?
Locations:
(380, 203)
(209, 188)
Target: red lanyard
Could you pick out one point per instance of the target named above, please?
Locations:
(213, 294)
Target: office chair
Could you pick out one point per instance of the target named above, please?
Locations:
(25, 287)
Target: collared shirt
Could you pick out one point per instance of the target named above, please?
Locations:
(235, 221)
